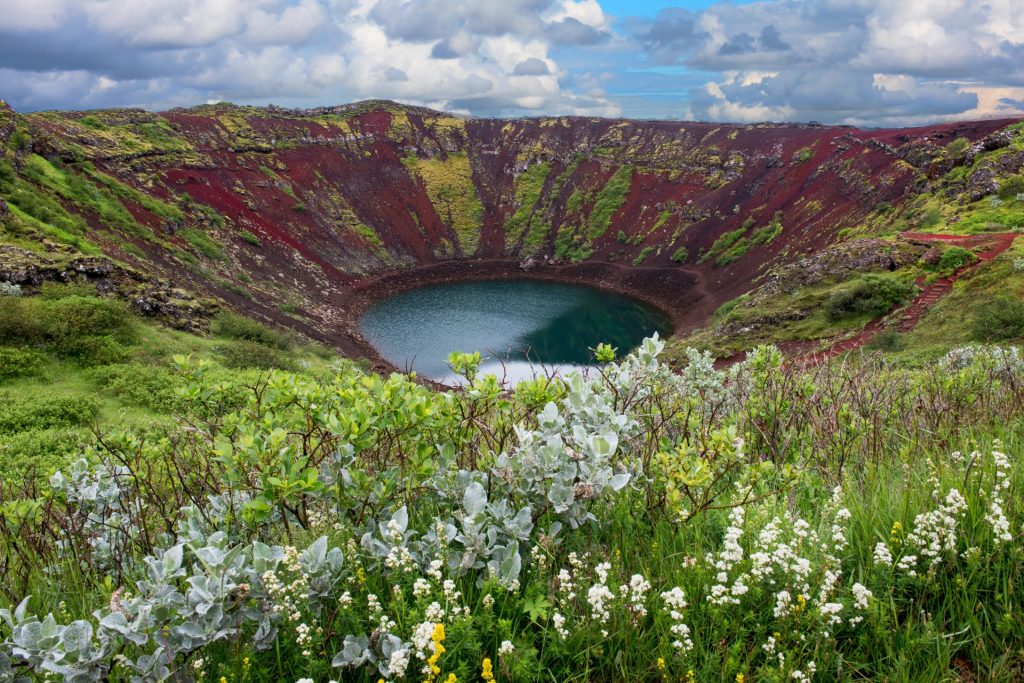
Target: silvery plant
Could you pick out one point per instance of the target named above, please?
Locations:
(192, 594)
(206, 585)
(105, 509)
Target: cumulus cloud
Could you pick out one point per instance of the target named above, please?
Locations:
(461, 54)
(861, 62)
(865, 62)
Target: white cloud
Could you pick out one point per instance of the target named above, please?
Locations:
(32, 15)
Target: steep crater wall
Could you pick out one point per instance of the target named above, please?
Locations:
(304, 217)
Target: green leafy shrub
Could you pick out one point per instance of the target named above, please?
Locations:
(803, 155)
(956, 149)
(725, 242)
(888, 339)
(680, 255)
(998, 320)
(59, 290)
(90, 329)
(244, 353)
(869, 295)
(1012, 187)
(46, 411)
(955, 258)
(16, 362)
(233, 326)
(609, 200)
(141, 385)
(39, 452)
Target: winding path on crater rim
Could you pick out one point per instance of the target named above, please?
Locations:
(994, 244)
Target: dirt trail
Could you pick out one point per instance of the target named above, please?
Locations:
(988, 247)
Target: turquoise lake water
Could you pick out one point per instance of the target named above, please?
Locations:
(529, 325)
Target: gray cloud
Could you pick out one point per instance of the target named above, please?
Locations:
(571, 31)
(394, 75)
(531, 67)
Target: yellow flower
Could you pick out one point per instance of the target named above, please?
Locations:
(223, 679)
(740, 678)
(661, 663)
(486, 672)
(452, 678)
(691, 677)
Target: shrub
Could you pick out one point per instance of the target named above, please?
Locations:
(955, 258)
(88, 328)
(803, 155)
(18, 362)
(243, 353)
(680, 255)
(887, 340)
(957, 148)
(141, 385)
(60, 290)
(868, 295)
(725, 242)
(233, 326)
(46, 411)
(38, 452)
(999, 320)
(1010, 188)
(929, 219)
(203, 243)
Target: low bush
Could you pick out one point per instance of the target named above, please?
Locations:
(138, 384)
(46, 411)
(15, 362)
(232, 326)
(243, 353)
(36, 453)
(1012, 187)
(869, 295)
(999, 320)
(955, 258)
(88, 328)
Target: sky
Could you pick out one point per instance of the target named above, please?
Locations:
(855, 62)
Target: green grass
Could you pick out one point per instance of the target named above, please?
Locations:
(528, 189)
(203, 243)
(608, 201)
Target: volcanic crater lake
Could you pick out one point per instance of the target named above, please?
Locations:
(520, 327)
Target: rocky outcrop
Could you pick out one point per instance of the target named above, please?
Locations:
(149, 297)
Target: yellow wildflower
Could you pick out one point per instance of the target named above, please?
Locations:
(223, 679)
(661, 663)
(740, 678)
(452, 678)
(691, 677)
(486, 672)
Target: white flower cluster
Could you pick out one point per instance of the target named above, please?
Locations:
(934, 532)
(675, 603)
(288, 594)
(995, 516)
(600, 596)
(730, 555)
(635, 594)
